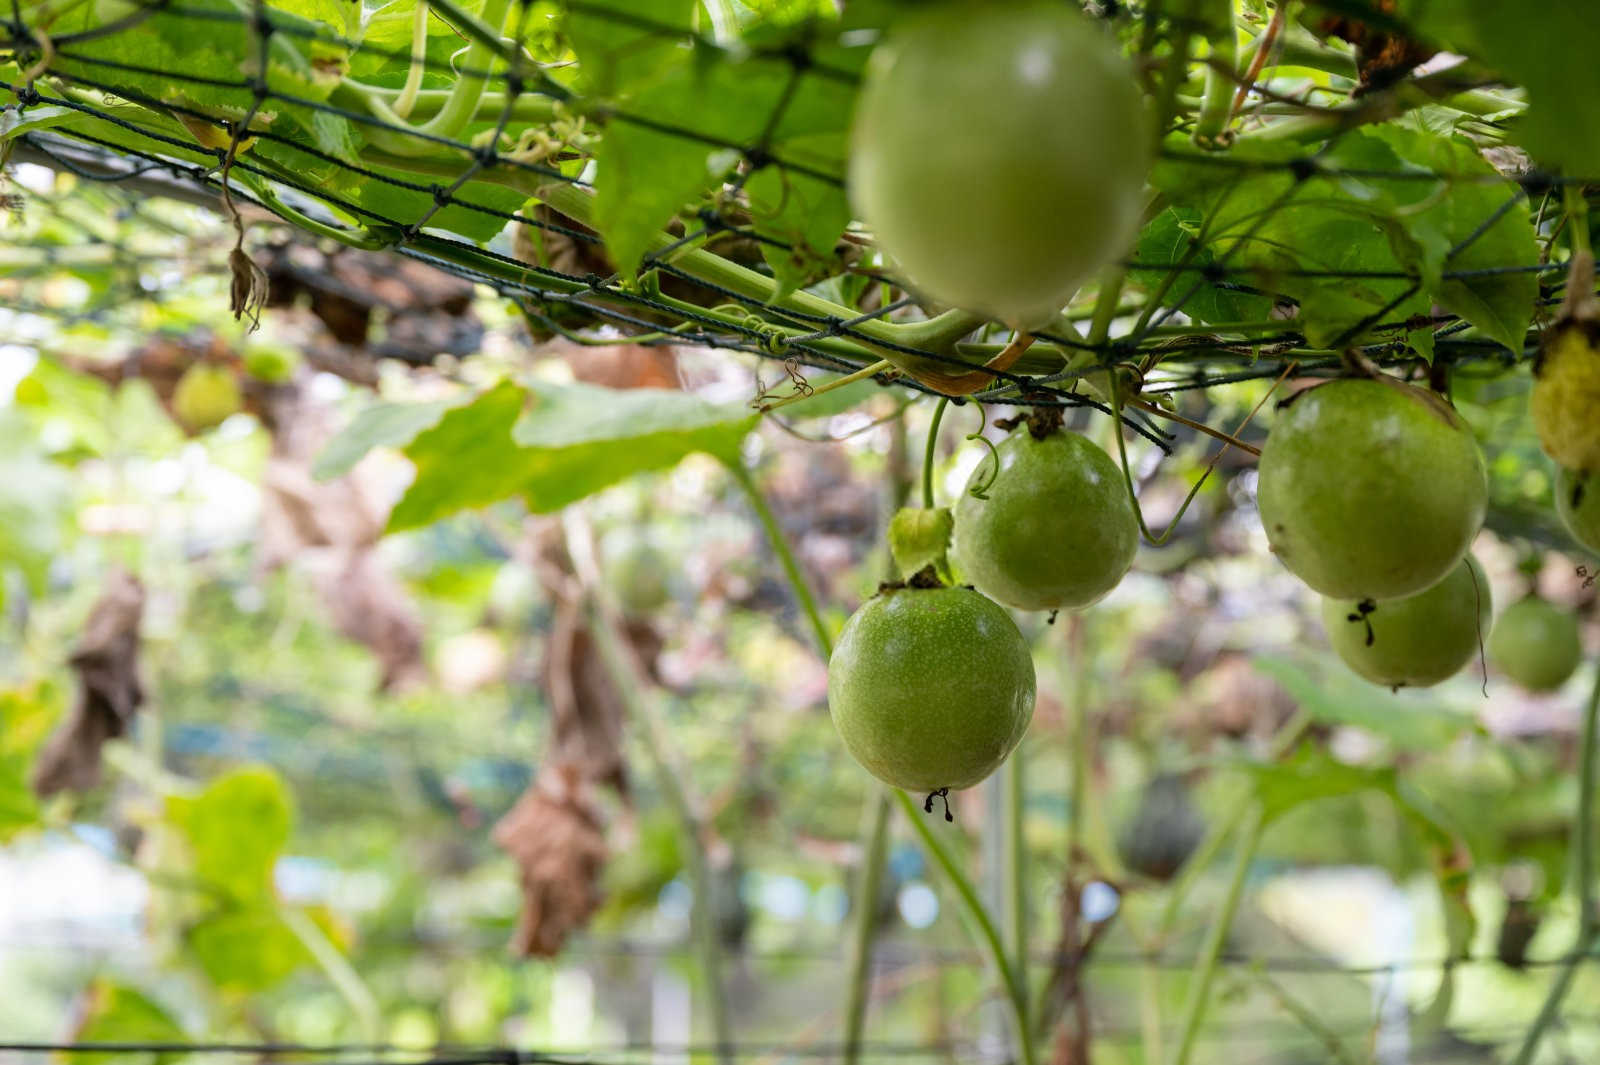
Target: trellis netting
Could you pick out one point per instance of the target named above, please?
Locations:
(674, 172)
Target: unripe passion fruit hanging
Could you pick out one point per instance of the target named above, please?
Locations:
(930, 688)
(999, 154)
(1578, 504)
(206, 396)
(1416, 641)
(1370, 489)
(1565, 402)
(1055, 529)
(1536, 644)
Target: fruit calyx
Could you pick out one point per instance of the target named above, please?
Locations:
(1042, 422)
(925, 579)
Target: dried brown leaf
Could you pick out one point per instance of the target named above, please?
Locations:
(556, 836)
(109, 693)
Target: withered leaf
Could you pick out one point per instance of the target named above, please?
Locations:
(555, 835)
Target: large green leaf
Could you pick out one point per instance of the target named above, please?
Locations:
(116, 1013)
(1549, 50)
(248, 950)
(235, 829)
(380, 425)
(554, 444)
(1335, 696)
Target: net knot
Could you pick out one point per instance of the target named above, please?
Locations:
(441, 195)
(1214, 272)
(1536, 182)
(1303, 168)
(27, 96)
(486, 156)
(711, 220)
(514, 84)
(262, 26)
(758, 157)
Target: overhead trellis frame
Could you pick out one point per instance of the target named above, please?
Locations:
(347, 165)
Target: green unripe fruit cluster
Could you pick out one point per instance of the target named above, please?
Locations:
(1054, 527)
(930, 688)
(1416, 641)
(1371, 489)
(1536, 644)
(1000, 160)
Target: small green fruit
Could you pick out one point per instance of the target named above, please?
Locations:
(930, 687)
(999, 153)
(206, 396)
(274, 364)
(1055, 530)
(1578, 504)
(1536, 644)
(1370, 489)
(1417, 641)
(1164, 830)
(636, 572)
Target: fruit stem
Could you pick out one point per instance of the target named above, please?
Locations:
(1577, 209)
(643, 713)
(1211, 950)
(874, 857)
(979, 921)
(780, 546)
(1216, 107)
(928, 452)
(1014, 782)
(1583, 873)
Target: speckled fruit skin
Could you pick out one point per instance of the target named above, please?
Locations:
(1370, 489)
(930, 688)
(1536, 644)
(999, 153)
(1417, 641)
(1057, 531)
(1578, 504)
(1565, 402)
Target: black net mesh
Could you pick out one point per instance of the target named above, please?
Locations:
(472, 138)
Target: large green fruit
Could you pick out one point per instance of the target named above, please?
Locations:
(206, 396)
(930, 687)
(1056, 529)
(1370, 489)
(1578, 504)
(1416, 641)
(1536, 644)
(999, 154)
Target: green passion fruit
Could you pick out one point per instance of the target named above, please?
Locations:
(930, 688)
(1565, 401)
(1536, 644)
(1053, 529)
(1416, 641)
(999, 153)
(636, 572)
(1370, 489)
(1578, 504)
(206, 396)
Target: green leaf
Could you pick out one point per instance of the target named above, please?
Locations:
(1500, 304)
(26, 716)
(554, 444)
(1550, 52)
(803, 212)
(380, 425)
(643, 177)
(116, 1013)
(626, 41)
(919, 537)
(1165, 241)
(235, 830)
(246, 950)
(1335, 696)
